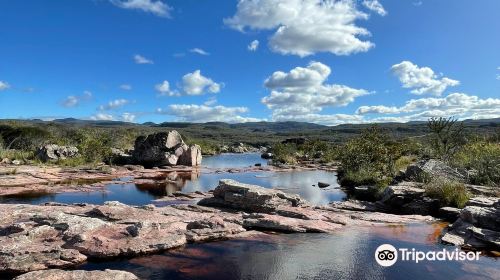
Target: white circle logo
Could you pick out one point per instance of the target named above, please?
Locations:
(386, 255)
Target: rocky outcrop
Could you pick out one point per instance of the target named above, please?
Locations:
(52, 152)
(165, 149)
(57, 274)
(432, 168)
(478, 225)
(236, 195)
(37, 237)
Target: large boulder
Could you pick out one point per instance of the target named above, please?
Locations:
(240, 196)
(165, 148)
(52, 152)
(432, 168)
(191, 156)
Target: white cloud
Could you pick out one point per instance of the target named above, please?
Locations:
(114, 104)
(139, 59)
(128, 117)
(379, 109)
(199, 51)
(210, 101)
(253, 46)
(304, 27)
(164, 89)
(4, 85)
(196, 84)
(374, 5)
(422, 80)
(204, 113)
(157, 8)
(102, 117)
(302, 93)
(126, 87)
(75, 100)
(456, 104)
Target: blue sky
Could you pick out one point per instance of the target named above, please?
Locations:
(327, 62)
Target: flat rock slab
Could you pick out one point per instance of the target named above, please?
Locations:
(57, 274)
(37, 237)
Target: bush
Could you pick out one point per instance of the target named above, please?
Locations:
(449, 193)
(447, 136)
(483, 159)
(370, 157)
(285, 153)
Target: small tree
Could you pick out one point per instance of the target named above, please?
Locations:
(447, 136)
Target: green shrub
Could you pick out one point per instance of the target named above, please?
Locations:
(449, 193)
(447, 136)
(483, 159)
(284, 153)
(370, 157)
(16, 154)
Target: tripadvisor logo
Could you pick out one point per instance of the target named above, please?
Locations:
(388, 255)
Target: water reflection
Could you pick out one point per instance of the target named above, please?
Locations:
(233, 160)
(302, 182)
(345, 255)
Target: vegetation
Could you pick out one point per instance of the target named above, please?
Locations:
(482, 159)
(369, 159)
(449, 193)
(447, 136)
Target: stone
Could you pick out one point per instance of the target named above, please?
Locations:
(482, 201)
(55, 235)
(246, 197)
(120, 157)
(53, 152)
(477, 227)
(17, 162)
(57, 274)
(450, 214)
(267, 156)
(192, 156)
(433, 168)
(6, 161)
(165, 149)
(323, 185)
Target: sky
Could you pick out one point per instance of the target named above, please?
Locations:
(322, 61)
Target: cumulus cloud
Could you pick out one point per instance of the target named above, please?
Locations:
(304, 27)
(374, 5)
(456, 104)
(102, 117)
(205, 113)
(253, 46)
(422, 80)
(128, 117)
(157, 8)
(114, 104)
(75, 100)
(199, 51)
(163, 89)
(126, 87)
(139, 59)
(4, 85)
(302, 93)
(196, 84)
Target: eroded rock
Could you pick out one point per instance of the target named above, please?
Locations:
(52, 152)
(165, 149)
(57, 274)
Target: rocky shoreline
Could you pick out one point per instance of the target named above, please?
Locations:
(37, 237)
